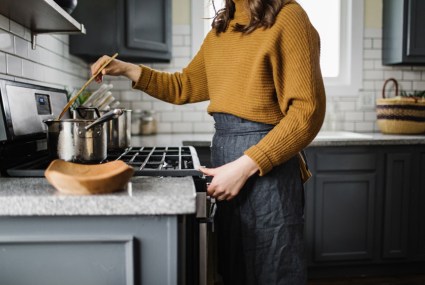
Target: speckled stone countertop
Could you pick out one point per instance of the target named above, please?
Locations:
(149, 195)
(325, 138)
(143, 196)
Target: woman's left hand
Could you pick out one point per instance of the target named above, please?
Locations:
(228, 179)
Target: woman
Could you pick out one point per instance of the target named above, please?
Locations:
(259, 67)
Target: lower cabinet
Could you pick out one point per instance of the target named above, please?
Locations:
(102, 250)
(364, 212)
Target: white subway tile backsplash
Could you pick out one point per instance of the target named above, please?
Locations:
(50, 43)
(411, 75)
(21, 47)
(13, 65)
(17, 29)
(367, 44)
(181, 61)
(201, 127)
(187, 40)
(354, 116)
(181, 30)
(192, 116)
(377, 44)
(349, 126)
(372, 33)
(373, 74)
(419, 85)
(164, 127)
(368, 65)
(370, 116)
(28, 69)
(179, 127)
(181, 51)
(162, 106)
(178, 40)
(141, 105)
(4, 23)
(132, 95)
(372, 54)
(2, 62)
(170, 116)
(364, 126)
(6, 42)
(397, 74)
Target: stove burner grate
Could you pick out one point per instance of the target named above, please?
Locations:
(146, 161)
(159, 161)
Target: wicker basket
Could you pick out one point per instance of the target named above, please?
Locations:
(400, 115)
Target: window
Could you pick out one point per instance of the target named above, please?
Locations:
(340, 25)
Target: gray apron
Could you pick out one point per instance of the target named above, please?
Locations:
(260, 231)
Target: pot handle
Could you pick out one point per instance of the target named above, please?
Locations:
(113, 114)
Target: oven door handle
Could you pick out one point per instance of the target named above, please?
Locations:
(206, 208)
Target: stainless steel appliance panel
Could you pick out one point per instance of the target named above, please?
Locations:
(26, 111)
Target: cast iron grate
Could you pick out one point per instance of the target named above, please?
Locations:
(160, 161)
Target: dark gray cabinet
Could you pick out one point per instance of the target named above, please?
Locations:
(403, 42)
(139, 31)
(341, 202)
(396, 205)
(96, 250)
(364, 210)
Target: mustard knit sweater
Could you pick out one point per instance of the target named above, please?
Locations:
(270, 76)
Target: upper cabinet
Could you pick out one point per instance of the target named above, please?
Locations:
(138, 30)
(40, 16)
(403, 42)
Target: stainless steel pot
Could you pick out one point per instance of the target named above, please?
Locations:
(119, 131)
(85, 113)
(78, 140)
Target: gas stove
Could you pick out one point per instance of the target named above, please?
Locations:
(24, 153)
(175, 161)
(23, 144)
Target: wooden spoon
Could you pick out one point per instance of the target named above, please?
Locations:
(72, 100)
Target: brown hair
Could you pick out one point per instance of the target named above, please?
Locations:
(262, 14)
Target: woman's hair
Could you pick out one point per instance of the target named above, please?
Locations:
(262, 14)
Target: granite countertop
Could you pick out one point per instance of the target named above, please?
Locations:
(148, 195)
(324, 138)
(143, 196)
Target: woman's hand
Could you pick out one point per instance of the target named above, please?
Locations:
(228, 179)
(116, 68)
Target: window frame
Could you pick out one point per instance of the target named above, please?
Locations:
(350, 80)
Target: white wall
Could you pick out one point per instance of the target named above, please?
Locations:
(50, 64)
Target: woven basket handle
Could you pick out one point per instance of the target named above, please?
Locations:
(395, 85)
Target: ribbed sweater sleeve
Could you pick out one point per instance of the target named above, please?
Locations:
(187, 86)
(300, 91)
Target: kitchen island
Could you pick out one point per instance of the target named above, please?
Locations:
(133, 236)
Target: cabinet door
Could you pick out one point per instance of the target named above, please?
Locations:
(344, 214)
(417, 239)
(139, 31)
(396, 205)
(402, 41)
(144, 31)
(415, 29)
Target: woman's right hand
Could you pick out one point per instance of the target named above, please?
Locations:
(116, 68)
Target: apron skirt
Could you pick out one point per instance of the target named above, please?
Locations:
(260, 231)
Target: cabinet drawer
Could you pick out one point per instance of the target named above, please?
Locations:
(345, 161)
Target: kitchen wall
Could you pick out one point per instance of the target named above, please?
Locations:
(50, 64)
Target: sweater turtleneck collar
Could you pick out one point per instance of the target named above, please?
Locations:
(241, 14)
